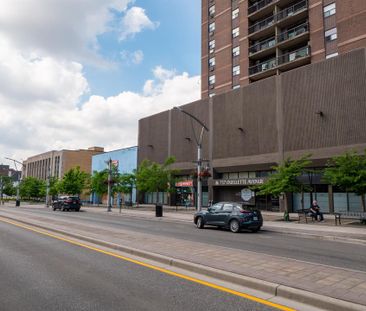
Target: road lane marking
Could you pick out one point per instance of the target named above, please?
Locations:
(156, 268)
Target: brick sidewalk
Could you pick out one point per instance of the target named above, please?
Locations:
(329, 281)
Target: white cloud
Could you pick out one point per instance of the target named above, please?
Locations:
(66, 29)
(43, 46)
(134, 21)
(32, 126)
(135, 57)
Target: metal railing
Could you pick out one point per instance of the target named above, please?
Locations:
(289, 34)
(283, 59)
(293, 32)
(269, 21)
(259, 5)
(294, 55)
(262, 45)
(291, 10)
(264, 66)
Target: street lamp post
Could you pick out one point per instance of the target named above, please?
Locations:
(199, 154)
(109, 162)
(17, 202)
(48, 187)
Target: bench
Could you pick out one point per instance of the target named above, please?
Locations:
(350, 215)
(305, 213)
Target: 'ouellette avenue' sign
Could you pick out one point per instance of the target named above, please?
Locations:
(238, 182)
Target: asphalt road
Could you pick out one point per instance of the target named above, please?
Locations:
(331, 253)
(42, 273)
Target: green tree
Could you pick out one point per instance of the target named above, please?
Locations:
(8, 187)
(32, 187)
(99, 182)
(55, 185)
(285, 179)
(155, 177)
(74, 182)
(348, 171)
(126, 183)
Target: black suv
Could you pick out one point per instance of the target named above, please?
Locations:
(229, 215)
(67, 203)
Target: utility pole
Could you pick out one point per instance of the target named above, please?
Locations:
(109, 162)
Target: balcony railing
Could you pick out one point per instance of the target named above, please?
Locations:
(278, 17)
(293, 32)
(259, 5)
(289, 34)
(268, 64)
(283, 59)
(294, 55)
(262, 24)
(263, 45)
(292, 10)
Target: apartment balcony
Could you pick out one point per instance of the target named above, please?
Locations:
(263, 48)
(287, 16)
(262, 28)
(261, 8)
(287, 39)
(293, 36)
(284, 62)
(292, 14)
(294, 59)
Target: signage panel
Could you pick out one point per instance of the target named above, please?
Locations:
(238, 182)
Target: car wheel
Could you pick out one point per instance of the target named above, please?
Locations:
(234, 226)
(77, 209)
(255, 230)
(199, 223)
(54, 208)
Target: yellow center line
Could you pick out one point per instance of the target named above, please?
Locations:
(156, 268)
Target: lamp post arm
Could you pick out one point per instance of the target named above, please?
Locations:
(193, 117)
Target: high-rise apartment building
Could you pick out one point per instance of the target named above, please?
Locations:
(247, 40)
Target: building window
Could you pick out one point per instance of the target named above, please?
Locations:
(211, 11)
(236, 51)
(329, 10)
(235, 13)
(211, 63)
(331, 34)
(211, 46)
(235, 32)
(331, 55)
(211, 27)
(212, 80)
(236, 70)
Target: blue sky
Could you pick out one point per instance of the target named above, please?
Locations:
(174, 44)
(83, 73)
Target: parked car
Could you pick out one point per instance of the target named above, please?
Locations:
(67, 203)
(231, 215)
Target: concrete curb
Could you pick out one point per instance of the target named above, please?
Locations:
(274, 289)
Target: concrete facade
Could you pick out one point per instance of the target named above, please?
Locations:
(57, 162)
(244, 41)
(318, 109)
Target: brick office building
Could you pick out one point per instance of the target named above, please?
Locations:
(247, 40)
(57, 162)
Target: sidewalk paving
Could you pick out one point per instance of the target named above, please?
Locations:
(344, 284)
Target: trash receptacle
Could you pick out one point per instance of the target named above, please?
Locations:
(158, 210)
(17, 203)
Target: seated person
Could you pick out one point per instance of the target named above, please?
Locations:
(315, 211)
